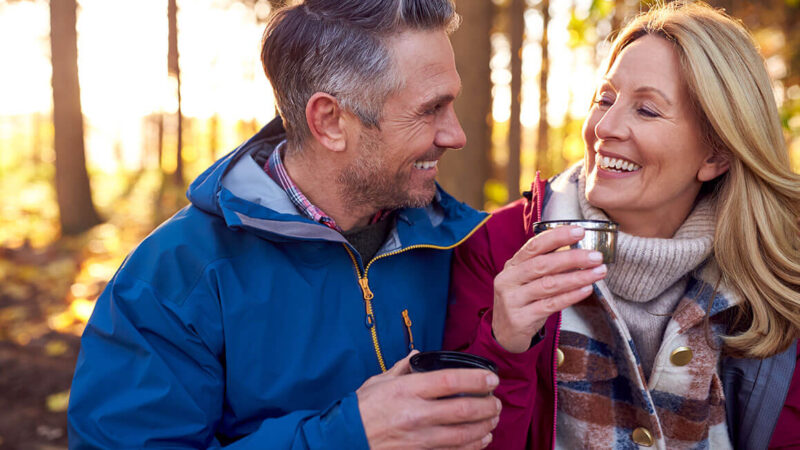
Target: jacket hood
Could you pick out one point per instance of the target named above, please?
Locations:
(204, 190)
(237, 189)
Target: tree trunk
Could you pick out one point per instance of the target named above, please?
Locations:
(464, 172)
(791, 52)
(174, 70)
(161, 141)
(618, 18)
(73, 193)
(517, 33)
(37, 139)
(542, 161)
(213, 136)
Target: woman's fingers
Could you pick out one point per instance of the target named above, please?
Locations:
(546, 242)
(552, 285)
(541, 309)
(511, 296)
(551, 263)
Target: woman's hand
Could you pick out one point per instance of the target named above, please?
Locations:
(536, 282)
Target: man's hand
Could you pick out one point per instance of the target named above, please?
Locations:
(401, 409)
(537, 282)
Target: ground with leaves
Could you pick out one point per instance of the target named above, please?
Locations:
(48, 287)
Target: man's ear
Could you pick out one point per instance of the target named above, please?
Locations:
(713, 166)
(325, 119)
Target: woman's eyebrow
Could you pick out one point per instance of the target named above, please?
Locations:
(643, 89)
(654, 90)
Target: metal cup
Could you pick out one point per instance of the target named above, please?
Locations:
(601, 235)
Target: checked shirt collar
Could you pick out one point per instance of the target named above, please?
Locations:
(277, 171)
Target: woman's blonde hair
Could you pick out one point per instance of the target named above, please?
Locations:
(757, 240)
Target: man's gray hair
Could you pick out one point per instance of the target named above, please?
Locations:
(340, 47)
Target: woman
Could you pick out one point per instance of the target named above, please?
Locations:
(689, 338)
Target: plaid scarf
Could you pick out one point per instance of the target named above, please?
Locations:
(276, 170)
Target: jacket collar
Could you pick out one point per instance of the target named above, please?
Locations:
(238, 190)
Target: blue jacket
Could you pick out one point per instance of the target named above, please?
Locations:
(239, 322)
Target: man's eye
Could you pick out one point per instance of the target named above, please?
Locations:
(433, 110)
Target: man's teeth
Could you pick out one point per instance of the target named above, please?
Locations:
(617, 165)
(424, 165)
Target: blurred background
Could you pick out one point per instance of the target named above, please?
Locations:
(109, 108)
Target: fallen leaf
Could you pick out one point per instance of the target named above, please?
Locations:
(58, 402)
(56, 347)
(49, 433)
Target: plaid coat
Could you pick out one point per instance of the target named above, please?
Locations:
(598, 393)
(602, 395)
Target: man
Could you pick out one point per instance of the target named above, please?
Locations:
(262, 315)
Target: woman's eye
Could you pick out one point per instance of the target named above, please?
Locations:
(646, 112)
(603, 102)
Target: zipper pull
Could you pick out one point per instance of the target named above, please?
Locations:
(364, 283)
(407, 320)
(369, 319)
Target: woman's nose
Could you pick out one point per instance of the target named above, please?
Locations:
(612, 124)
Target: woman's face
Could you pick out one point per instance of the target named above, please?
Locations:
(645, 160)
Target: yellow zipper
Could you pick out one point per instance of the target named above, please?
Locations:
(435, 247)
(407, 320)
(363, 282)
(370, 318)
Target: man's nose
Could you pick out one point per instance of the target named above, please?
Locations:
(450, 133)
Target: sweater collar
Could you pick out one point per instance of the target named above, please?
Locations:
(646, 267)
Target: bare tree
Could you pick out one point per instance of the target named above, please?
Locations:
(542, 161)
(76, 209)
(174, 70)
(517, 32)
(463, 173)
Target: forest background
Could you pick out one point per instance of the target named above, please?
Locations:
(108, 109)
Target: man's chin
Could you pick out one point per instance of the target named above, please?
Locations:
(419, 199)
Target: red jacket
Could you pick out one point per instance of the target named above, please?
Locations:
(527, 387)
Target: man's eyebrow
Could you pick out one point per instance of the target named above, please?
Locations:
(444, 98)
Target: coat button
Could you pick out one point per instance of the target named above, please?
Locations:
(681, 356)
(642, 436)
(559, 357)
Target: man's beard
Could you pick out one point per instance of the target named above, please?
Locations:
(369, 182)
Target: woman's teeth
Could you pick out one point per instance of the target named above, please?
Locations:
(617, 165)
(424, 165)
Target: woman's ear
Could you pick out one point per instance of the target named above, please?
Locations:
(325, 121)
(713, 166)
